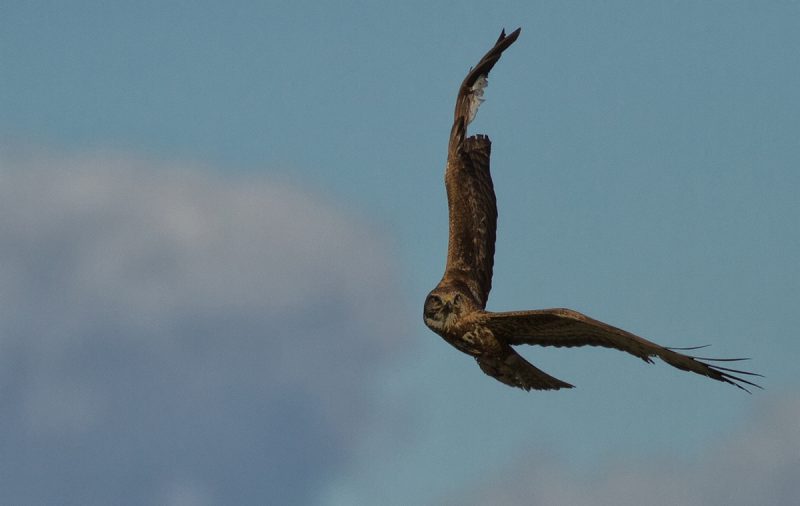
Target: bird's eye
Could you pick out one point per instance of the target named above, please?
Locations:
(433, 301)
(432, 304)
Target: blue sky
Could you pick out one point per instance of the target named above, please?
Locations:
(219, 221)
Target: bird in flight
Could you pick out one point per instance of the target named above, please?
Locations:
(455, 309)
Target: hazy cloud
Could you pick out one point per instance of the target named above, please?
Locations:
(758, 464)
(171, 336)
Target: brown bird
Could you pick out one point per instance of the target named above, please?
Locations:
(455, 309)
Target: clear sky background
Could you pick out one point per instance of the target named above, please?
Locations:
(219, 221)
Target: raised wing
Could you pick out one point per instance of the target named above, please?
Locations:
(470, 194)
(510, 368)
(564, 327)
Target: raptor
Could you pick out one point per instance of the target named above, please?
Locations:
(455, 309)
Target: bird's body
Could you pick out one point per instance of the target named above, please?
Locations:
(455, 309)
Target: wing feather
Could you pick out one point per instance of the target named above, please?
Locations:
(470, 93)
(565, 327)
(473, 219)
(470, 194)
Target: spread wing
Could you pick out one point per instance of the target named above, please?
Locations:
(564, 327)
(470, 194)
(510, 368)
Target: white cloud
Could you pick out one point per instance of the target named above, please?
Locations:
(160, 320)
(758, 464)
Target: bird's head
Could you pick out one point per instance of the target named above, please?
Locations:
(443, 308)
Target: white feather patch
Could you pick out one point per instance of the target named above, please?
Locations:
(476, 97)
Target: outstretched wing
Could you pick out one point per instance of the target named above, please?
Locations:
(510, 368)
(564, 327)
(470, 194)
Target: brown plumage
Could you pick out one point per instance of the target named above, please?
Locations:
(455, 309)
